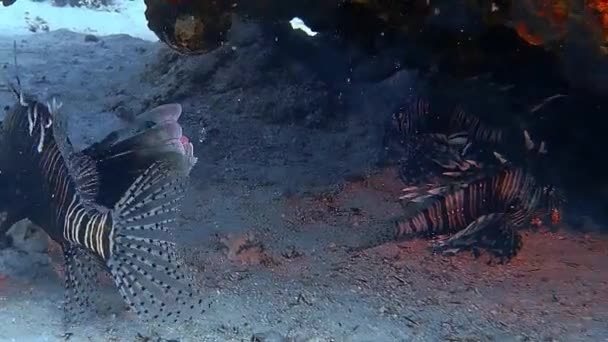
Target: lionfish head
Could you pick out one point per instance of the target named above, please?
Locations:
(409, 119)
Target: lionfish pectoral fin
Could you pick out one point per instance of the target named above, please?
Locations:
(493, 232)
(420, 194)
(82, 271)
(543, 148)
(469, 236)
(452, 174)
(446, 164)
(504, 243)
(528, 141)
(458, 139)
(500, 158)
(465, 149)
(144, 260)
(472, 162)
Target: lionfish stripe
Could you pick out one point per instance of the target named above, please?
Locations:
(88, 232)
(459, 208)
(449, 208)
(434, 215)
(66, 219)
(77, 223)
(94, 233)
(103, 249)
(50, 162)
(63, 194)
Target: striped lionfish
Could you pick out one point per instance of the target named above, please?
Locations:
(484, 213)
(481, 209)
(433, 146)
(110, 207)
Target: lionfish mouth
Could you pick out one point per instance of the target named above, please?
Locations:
(188, 149)
(184, 140)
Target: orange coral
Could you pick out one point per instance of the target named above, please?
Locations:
(524, 33)
(601, 8)
(540, 21)
(556, 216)
(555, 10)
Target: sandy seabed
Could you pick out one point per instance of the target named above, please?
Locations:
(285, 183)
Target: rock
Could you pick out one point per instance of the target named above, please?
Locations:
(194, 27)
(28, 237)
(578, 41)
(18, 264)
(91, 38)
(269, 336)
(307, 339)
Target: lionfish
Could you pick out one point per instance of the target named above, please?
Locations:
(484, 203)
(111, 207)
(433, 145)
(484, 213)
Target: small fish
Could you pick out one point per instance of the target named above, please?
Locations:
(111, 207)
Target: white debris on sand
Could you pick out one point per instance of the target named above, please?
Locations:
(28, 17)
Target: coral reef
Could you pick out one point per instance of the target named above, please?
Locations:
(575, 32)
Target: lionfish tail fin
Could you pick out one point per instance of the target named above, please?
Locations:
(144, 261)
